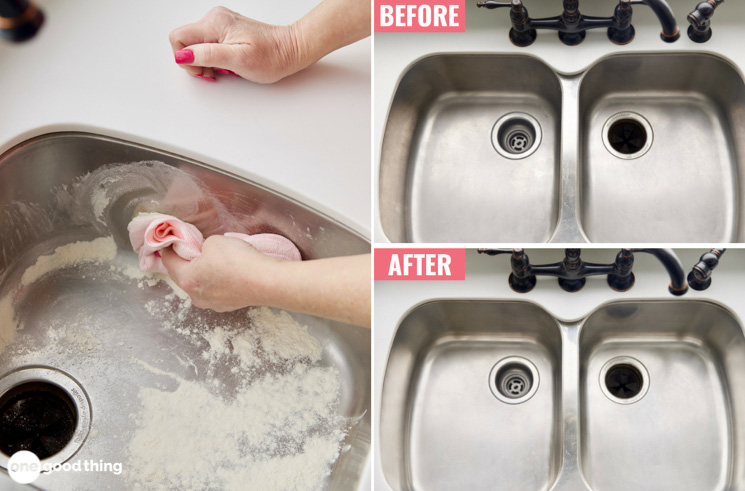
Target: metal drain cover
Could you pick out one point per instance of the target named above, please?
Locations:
(513, 380)
(516, 135)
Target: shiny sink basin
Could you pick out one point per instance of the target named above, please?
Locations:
(442, 425)
(642, 395)
(470, 140)
(108, 335)
(644, 147)
(678, 121)
(686, 432)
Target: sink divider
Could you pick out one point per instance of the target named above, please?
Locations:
(570, 474)
(568, 227)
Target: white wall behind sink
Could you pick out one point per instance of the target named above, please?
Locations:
(107, 66)
(486, 278)
(486, 32)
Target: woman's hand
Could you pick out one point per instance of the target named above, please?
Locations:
(230, 274)
(225, 40)
(227, 276)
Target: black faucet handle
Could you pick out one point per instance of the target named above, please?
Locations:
(491, 4)
(700, 276)
(700, 21)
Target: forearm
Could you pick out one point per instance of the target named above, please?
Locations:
(331, 25)
(336, 288)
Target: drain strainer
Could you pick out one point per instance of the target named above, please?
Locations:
(627, 135)
(624, 380)
(513, 380)
(42, 410)
(516, 135)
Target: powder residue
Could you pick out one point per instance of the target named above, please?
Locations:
(280, 431)
(96, 251)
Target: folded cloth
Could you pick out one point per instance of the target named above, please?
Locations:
(151, 232)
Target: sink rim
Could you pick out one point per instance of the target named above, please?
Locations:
(54, 135)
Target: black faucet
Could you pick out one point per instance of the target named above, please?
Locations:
(572, 271)
(700, 19)
(572, 25)
(700, 276)
(19, 20)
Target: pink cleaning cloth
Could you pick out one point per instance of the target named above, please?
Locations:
(152, 232)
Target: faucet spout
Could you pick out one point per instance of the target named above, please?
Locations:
(670, 31)
(668, 258)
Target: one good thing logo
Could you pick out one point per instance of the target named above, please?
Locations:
(24, 467)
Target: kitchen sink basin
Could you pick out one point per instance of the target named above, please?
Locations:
(644, 147)
(97, 325)
(442, 424)
(678, 122)
(641, 395)
(470, 141)
(686, 432)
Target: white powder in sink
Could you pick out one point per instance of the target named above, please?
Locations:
(265, 437)
(96, 251)
(280, 431)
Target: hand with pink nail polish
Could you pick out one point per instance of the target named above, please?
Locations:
(226, 42)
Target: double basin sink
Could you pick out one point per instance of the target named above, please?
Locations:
(502, 148)
(642, 395)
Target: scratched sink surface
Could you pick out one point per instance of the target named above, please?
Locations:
(642, 395)
(647, 147)
(106, 316)
(681, 133)
(446, 175)
(687, 431)
(441, 425)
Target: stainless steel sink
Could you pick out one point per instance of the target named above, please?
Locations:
(687, 431)
(643, 147)
(677, 180)
(441, 424)
(457, 163)
(638, 395)
(110, 313)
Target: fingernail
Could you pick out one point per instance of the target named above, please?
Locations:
(184, 56)
(211, 79)
(233, 73)
(157, 253)
(222, 71)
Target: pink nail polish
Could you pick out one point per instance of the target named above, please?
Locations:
(233, 73)
(184, 56)
(211, 79)
(223, 71)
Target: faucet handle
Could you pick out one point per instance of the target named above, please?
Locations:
(491, 4)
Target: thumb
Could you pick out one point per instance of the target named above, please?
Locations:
(214, 55)
(174, 263)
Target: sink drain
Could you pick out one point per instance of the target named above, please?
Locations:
(38, 417)
(627, 135)
(516, 135)
(44, 411)
(624, 380)
(513, 380)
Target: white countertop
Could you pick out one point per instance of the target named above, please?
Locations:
(486, 278)
(107, 67)
(486, 32)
